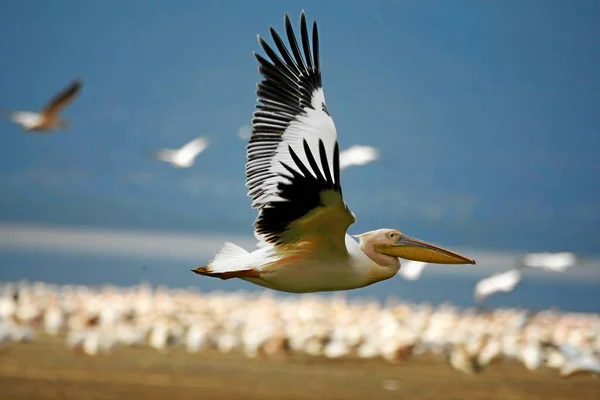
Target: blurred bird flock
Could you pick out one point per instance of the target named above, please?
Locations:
(96, 320)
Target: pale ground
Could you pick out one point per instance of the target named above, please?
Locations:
(45, 369)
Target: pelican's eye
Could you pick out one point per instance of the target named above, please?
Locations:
(393, 236)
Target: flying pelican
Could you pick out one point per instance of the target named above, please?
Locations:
(293, 177)
(48, 119)
(358, 155)
(183, 157)
(501, 282)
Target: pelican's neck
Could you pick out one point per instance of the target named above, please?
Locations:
(368, 266)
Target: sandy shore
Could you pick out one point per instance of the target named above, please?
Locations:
(45, 369)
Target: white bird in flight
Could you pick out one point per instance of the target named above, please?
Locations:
(556, 262)
(293, 178)
(185, 156)
(412, 270)
(502, 282)
(244, 132)
(48, 119)
(358, 155)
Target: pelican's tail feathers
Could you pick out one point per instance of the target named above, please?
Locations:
(229, 258)
(230, 262)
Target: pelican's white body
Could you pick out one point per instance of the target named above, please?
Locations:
(302, 272)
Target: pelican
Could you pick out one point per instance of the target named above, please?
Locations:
(501, 282)
(48, 119)
(183, 157)
(293, 178)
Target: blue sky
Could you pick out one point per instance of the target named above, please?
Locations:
(486, 114)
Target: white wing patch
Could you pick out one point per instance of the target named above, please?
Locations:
(314, 126)
(502, 282)
(26, 119)
(358, 155)
(184, 156)
(192, 149)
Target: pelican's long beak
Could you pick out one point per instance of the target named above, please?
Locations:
(418, 250)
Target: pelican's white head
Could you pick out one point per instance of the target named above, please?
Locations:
(384, 246)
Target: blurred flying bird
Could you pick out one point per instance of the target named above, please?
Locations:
(557, 262)
(293, 177)
(503, 282)
(573, 360)
(577, 361)
(412, 270)
(358, 155)
(48, 119)
(183, 157)
(245, 132)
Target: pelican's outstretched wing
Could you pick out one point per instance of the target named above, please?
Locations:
(292, 169)
(59, 101)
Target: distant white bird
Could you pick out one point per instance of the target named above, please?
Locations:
(336, 349)
(557, 262)
(532, 355)
(183, 157)
(577, 361)
(412, 270)
(462, 360)
(10, 331)
(358, 155)
(502, 282)
(196, 338)
(245, 132)
(48, 119)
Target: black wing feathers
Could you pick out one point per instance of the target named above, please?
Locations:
(284, 92)
(303, 194)
(56, 103)
(291, 76)
(316, 46)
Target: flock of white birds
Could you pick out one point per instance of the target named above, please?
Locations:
(97, 320)
(185, 156)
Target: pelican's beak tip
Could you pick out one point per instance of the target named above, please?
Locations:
(418, 250)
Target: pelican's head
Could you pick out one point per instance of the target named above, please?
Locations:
(384, 246)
